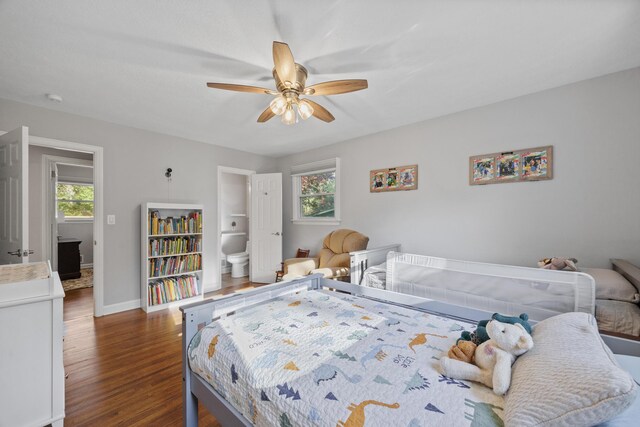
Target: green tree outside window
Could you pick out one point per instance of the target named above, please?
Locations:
(317, 199)
(75, 200)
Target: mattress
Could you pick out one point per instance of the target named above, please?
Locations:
(324, 358)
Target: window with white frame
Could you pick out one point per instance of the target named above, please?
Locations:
(316, 192)
(75, 200)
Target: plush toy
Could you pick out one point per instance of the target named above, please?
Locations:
(558, 263)
(493, 358)
(462, 351)
(480, 334)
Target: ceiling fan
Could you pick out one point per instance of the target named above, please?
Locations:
(290, 79)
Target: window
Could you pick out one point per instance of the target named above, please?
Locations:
(75, 200)
(316, 192)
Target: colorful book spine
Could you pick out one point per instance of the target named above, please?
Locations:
(167, 290)
(191, 224)
(175, 246)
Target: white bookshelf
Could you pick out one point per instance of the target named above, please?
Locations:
(162, 267)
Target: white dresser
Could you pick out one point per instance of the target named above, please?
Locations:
(31, 330)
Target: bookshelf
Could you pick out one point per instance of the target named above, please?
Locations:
(171, 255)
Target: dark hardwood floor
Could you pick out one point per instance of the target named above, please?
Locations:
(125, 368)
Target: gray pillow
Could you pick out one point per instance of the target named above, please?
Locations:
(618, 316)
(569, 378)
(628, 270)
(611, 285)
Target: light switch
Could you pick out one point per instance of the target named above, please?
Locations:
(111, 219)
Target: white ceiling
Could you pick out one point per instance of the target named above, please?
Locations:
(145, 63)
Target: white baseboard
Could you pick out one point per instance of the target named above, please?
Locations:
(122, 306)
(89, 265)
(210, 287)
(225, 269)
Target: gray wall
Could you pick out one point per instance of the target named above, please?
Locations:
(134, 165)
(36, 198)
(590, 210)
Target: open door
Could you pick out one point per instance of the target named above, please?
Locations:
(265, 230)
(14, 196)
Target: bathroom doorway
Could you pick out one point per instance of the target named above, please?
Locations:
(234, 210)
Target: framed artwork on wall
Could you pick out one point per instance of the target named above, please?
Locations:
(401, 178)
(532, 164)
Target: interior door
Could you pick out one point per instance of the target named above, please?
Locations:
(265, 230)
(14, 196)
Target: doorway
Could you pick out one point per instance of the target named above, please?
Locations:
(67, 212)
(76, 166)
(234, 211)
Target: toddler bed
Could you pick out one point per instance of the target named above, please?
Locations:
(298, 353)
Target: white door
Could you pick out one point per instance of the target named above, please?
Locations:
(265, 231)
(14, 196)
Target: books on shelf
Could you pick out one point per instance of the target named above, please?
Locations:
(159, 267)
(174, 245)
(171, 254)
(171, 289)
(191, 223)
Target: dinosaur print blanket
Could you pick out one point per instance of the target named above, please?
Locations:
(321, 358)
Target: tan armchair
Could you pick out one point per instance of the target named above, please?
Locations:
(333, 259)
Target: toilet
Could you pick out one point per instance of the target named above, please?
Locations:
(239, 263)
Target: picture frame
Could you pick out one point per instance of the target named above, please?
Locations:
(531, 164)
(399, 178)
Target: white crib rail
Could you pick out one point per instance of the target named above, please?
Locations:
(491, 287)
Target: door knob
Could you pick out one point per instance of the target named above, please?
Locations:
(17, 252)
(277, 233)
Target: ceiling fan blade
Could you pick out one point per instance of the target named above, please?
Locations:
(335, 87)
(240, 88)
(319, 112)
(266, 115)
(284, 63)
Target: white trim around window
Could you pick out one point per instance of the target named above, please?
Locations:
(297, 172)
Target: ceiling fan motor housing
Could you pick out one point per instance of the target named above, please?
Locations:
(297, 86)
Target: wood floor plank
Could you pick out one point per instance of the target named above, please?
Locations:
(124, 369)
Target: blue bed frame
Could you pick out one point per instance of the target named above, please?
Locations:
(195, 316)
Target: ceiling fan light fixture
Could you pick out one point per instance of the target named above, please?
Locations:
(305, 109)
(278, 105)
(291, 80)
(289, 117)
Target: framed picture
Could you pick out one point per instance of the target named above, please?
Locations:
(484, 169)
(532, 164)
(508, 166)
(401, 178)
(535, 164)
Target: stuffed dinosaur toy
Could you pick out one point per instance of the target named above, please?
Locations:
(480, 334)
(558, 263)
(492, 358)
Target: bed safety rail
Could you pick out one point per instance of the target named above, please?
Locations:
(491, 287)
(361, 260)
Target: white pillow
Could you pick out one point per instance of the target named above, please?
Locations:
(569, 378)
(612, 285)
